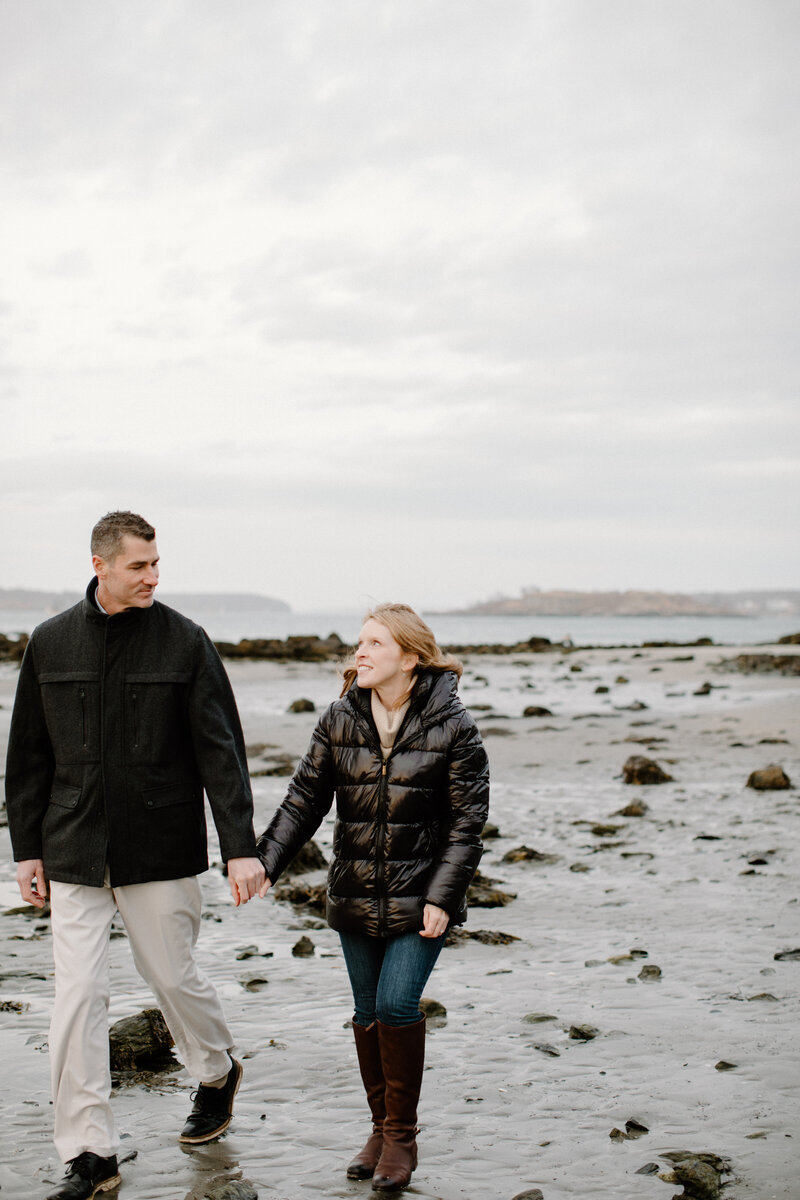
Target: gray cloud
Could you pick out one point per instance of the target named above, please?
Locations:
(510, 284)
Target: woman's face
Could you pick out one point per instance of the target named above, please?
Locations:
(380, 660)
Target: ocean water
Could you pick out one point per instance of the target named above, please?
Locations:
(459, 629)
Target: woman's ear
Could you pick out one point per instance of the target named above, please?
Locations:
(409, 662)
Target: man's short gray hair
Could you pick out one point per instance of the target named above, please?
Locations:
(109, 531)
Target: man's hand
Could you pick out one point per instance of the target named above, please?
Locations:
(246, 878)
(32, 882)
(434, 921)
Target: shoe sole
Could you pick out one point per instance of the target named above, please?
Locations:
(107, 1185)
(218, 1132)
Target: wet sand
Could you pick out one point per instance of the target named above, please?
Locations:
(705, 886)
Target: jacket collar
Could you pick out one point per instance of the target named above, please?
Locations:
(94, 615)
(433, 694)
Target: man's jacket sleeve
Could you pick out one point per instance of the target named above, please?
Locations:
(219, 751)
(29, 765)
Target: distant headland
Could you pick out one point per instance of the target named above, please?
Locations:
(534, 602)
(198, 603)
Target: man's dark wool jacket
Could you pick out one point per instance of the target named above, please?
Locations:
(119, 725)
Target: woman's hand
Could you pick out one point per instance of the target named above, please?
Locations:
(434, 921)
(266, 885)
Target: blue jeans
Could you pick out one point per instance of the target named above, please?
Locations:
(387, 975)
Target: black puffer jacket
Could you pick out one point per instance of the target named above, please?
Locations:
(408, 832)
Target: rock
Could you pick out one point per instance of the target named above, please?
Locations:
(635, 1129)
(488, 937)
(526, 854)
(531, 1194)
(787, 956)
(647, 1169)
(256, 984)
(140, 1042)
(490, 831)
(497, 731)
(790, 639)
(583, 1033)
(768, 996)
(243, 953)
(636, 808)
(12, 649)
(302, 706)
(304, 948)
(538, 1018)
(536, 710)
(305, 896)
(722, 1065)
(605, 830)
(761, 664)
(548, 1049)
(432, 1008)
(299, 648)
(705, 689)
(770, 779)
(699, 1174)
(15, 1006)
(650, 973)
(621, 679)
(601, 689)
(279, 764)
(308, 858)
(640, 770)
(700, 1180)
(482, 893)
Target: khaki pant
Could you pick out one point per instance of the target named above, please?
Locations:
(162, 920)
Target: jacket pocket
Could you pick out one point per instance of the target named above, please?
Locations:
(65, 795)
(71, 702)
(155, 703)
(169, 796)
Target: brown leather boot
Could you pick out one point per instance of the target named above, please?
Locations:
(403, 1057)
(369, 1064)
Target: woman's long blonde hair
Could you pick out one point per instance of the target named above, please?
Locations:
(412, 635)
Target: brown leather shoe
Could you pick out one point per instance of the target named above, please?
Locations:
(403, 1058)
(369, 1063)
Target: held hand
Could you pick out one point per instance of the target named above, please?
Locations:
(246, 878)
(266, 885)
(434, 921)
(32, 882)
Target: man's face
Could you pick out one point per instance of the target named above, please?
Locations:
(130, 579)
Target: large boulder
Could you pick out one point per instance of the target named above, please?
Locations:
(140, 1042)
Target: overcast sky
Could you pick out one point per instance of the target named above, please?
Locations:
(402, 299)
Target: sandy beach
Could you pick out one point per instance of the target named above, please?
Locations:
(660, 931)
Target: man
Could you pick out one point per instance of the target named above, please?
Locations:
(123, 717)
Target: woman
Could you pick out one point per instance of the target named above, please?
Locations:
(409, 771)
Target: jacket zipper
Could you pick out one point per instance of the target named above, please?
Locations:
(380, 852)
(135, 721)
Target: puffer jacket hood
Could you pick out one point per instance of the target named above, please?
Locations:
(408, 828)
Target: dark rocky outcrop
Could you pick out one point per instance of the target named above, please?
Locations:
(298, 648)
(12, 649)
(761, 664)
(483, 893)
(308, 858)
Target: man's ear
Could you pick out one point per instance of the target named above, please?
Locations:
(99, 565)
